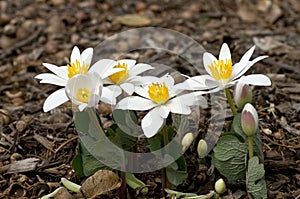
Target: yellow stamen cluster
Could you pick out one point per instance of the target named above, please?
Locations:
(83, 95)
(121, 76)
(158, 93)
(221, 69)
(77, 68)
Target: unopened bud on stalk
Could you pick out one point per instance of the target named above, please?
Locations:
(202, 148)
(220, 186)
(187, 140)
(249, 120)
(242, 95)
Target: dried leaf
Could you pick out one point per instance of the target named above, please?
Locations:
(271, 45)
(101, 183)
(133, 20)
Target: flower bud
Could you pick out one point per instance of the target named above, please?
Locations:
(187, 140)
(249, 120)
(242, 95)
(202, 148)
(220, 186)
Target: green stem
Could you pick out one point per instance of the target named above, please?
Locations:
(230, 101)
(164, 179)
(250, 142)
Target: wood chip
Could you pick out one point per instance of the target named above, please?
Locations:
(44, 141)
(287, 127)
(25, 165)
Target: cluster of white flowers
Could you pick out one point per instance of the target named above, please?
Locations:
(105, 80)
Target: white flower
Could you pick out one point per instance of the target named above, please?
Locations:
(84, 90)
(222, 74)
(127, 79)
(161, 97)
(79, 64)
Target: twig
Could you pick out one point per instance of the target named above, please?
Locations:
(66, 142)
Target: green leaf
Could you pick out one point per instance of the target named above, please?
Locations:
(157, 142)
(77, 164)
(255, 184)
(121, 139)
(89, 163)
(229, 146)
(230, 157)
(127, 121)
(135, 183)
(177, 172)
(237, 128)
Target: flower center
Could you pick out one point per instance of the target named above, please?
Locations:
(83, 95)
(158, 93)
(221, 69)
(77, 68)
(121, 76)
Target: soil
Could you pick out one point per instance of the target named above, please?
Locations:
(34, 32)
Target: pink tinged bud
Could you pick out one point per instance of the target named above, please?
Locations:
(220, 186)
(242, 95)
(249, 120)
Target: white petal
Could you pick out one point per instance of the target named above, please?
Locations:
(93, 101)
(144, 80)
(104, 68)
(82, 106)
(108, 96)
(256, 79)
(208, 59)
(135, 103)
(164, 111)
(55, 99)
(142, 91)
(243, 63)
(50, 78)
(138, 69)
(224, 52)
(130, 62)
(176, 106)
(115, 89)
(87, 55)
(59, 71)
(194, 83)
(246, 57)
(75, 55)
(236, 73)
(127, 87)
(168, 79)
(152, 122)
(192, 99)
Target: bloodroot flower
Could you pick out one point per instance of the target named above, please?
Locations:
(84, 90)
(79, 64)
(223, 74)
(161, 98)
(126, 79)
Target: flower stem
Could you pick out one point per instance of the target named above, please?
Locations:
(230, 101)
(250, 142)
(164, 179)
(123, 189)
